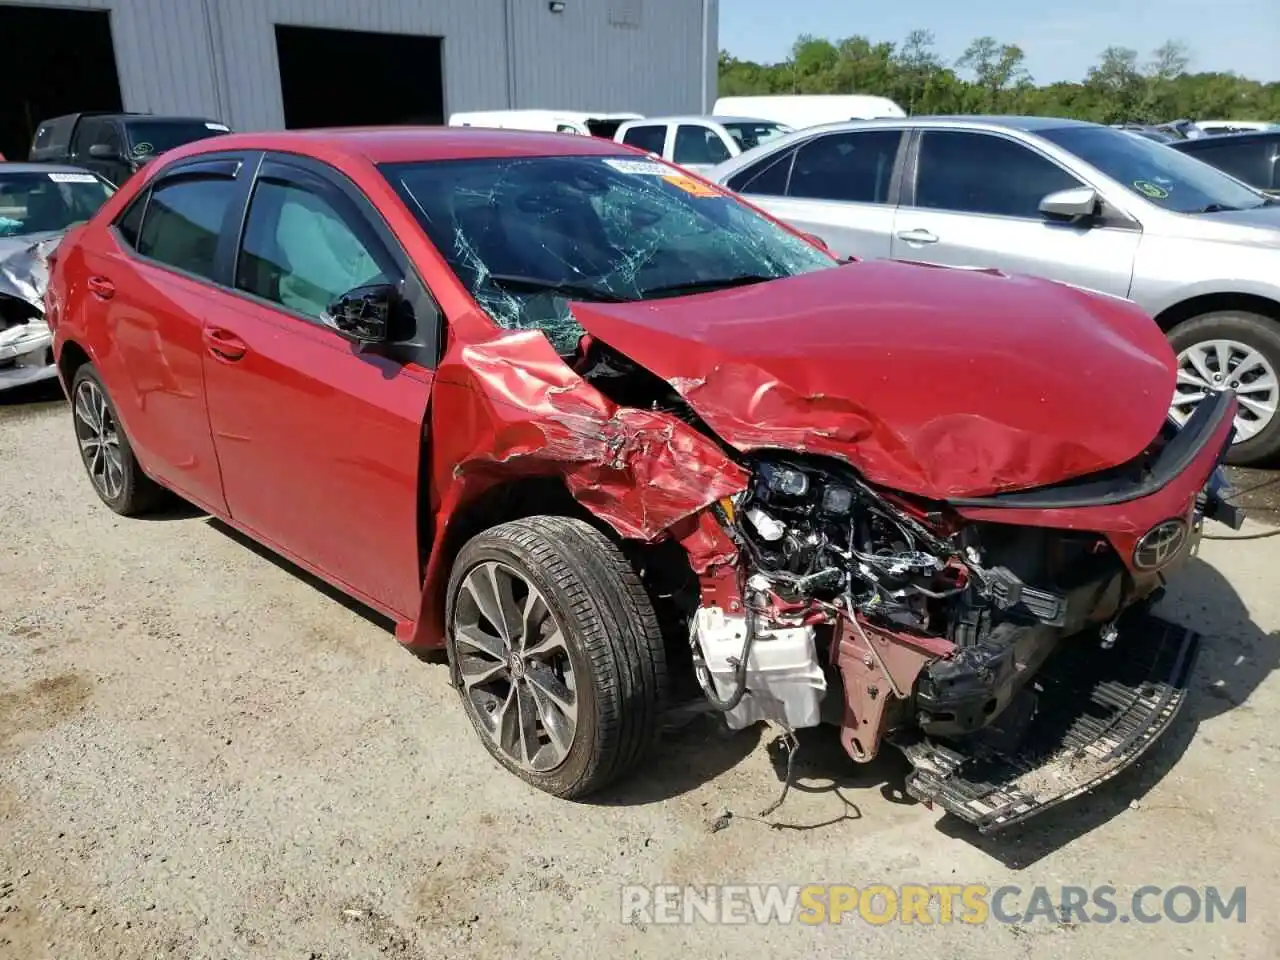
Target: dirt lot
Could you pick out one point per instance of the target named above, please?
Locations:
(204, 754)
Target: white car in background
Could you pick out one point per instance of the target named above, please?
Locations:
(602, 125)
(698, 143)
(39, 202)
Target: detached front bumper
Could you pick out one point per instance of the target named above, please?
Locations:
(1094, 712)
(26, 354)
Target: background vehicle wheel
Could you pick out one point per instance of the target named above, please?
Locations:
(1239, 350)
(108, 459)
(555, 650)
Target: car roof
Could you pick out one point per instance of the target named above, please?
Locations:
(18, 167)
(1029, 124)
(405, 143)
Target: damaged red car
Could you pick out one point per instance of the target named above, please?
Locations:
(606, 434)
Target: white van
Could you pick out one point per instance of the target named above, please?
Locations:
(809, 110)
(698, 143)
(553, 121)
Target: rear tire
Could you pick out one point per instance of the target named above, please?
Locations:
(572, 704)
(1250, 343)
(113, 470)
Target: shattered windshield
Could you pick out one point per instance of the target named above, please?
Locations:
(39, 202)
(527, 235)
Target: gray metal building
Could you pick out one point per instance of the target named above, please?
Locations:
(268, 64)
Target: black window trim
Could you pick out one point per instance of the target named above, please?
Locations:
(1111, 217)
(224, 165)
(787, 154)
(279, 166)
(895, 174)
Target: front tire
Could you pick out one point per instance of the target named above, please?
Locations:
(556, 653)
(1233, 349)
(113, 470)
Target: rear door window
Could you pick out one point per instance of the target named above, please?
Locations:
(650, 137)
(183, 222)
(698, 144)
(984, 173)
(853, 167)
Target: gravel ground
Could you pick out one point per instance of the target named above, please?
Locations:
(205, 754)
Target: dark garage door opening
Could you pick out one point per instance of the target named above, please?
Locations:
(342, 78)
(54, 62)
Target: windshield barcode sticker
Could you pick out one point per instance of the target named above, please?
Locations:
(643, 167)
(73, 178)
(218, 126)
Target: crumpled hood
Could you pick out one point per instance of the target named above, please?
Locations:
(932, 381)
(24, 266)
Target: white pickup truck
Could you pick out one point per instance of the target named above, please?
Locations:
(698, 143)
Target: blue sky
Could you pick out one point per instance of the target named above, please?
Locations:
(1061, 39)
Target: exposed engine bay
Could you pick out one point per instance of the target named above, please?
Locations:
(901, 620)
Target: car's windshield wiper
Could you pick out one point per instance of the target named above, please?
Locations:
(702, 286)
(1216, 208)
(574, 291)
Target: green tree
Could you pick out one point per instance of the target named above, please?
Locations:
(991, 77)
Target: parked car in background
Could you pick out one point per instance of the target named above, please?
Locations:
(1149, 131)
(38, 204)
(602, 431)
(1216, 128)
(1251, 157)
(116, 145)
(808, 110)
(698, 143)
(1077, 202)
(603, 125)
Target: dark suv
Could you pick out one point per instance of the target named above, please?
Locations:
(115, 145)
(1251, 157)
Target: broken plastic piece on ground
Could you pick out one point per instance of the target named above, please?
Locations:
(1098, 712)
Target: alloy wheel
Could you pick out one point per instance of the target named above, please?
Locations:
(1212, 366)
(99, 439)
(514, 667)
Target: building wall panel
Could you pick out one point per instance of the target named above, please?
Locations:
(218, 57)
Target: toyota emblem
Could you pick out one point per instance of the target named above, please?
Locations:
(1159, 545)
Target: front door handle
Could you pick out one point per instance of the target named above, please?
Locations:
(917, 236)
(101, 287)
(223, 344)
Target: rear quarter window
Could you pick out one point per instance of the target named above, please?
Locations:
(767, 178)
(53, 135)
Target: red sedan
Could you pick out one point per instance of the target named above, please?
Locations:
(596, 426)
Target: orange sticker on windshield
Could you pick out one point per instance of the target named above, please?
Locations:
(689, 185)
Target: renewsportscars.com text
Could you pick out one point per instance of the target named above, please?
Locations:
(881, 904)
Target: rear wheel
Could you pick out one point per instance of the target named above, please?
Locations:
(113, 470)
(1234, 350)
(555, 650)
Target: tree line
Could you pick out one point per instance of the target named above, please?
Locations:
(991, 77)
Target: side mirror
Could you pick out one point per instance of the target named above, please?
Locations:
(365, 315)
(817, 241)
(104, 151)
(1074, 204)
